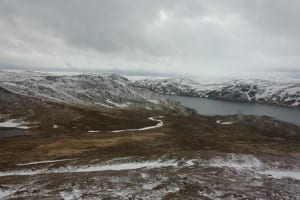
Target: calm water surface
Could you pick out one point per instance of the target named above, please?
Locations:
(217, 107)
(9, 132)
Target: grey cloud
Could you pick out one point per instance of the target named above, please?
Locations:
(194, 36)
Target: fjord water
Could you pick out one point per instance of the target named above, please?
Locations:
(217, 107)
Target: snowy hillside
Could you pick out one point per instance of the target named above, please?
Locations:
(285, 93)
(109, 91)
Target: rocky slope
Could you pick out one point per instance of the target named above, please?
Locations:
(104, 91)
(284, 93)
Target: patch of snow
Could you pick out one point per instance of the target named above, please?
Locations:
(150, 186)
(227, 123)
(237, 162)
(5, 193)
(214, 194)
(249, 162)
(94, 168)
(282, 174)
(74, 194)
(148, 108)
(173, 189)
(23, 172)
(190, 162)
(103, 105)
(288, 99)
(153, 101)
(144, 175)
(119, 105)
(224, 123)
(94, 131)
(128, 166)
(23, 127)
(42, 162)
(13, 123)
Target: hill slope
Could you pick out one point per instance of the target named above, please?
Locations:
(284, 93)
(106, 91)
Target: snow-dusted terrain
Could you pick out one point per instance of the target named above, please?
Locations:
(125, 178)
(73, 150)
(107, 91)
(14, 123)
(277, 92)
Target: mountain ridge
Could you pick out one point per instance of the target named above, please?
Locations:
(104, 91)
(285, 93)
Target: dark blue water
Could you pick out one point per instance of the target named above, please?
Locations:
(216, 107)
(9, 132)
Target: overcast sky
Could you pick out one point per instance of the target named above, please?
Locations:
(156, 36)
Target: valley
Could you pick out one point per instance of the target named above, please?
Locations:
(74, 151)
(149, 100)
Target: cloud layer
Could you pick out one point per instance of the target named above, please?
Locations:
(171, 36)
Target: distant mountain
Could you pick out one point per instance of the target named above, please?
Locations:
(283, 93)
(107, 91)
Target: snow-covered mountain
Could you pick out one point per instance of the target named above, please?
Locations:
(109, 91)
(284, 93)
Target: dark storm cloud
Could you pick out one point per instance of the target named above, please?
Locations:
(193, 36)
